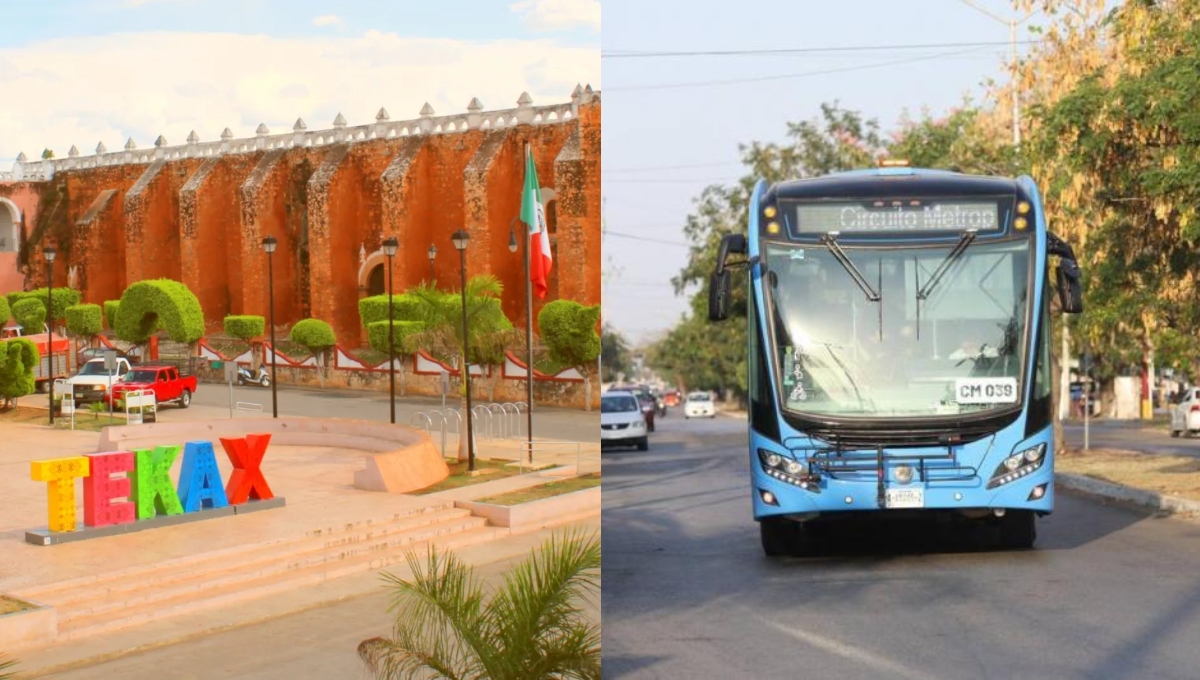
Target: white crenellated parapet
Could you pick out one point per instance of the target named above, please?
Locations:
(428, 123)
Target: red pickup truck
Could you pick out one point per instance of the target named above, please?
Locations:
(164, 380)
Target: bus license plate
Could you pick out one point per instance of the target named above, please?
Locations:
(905, 498)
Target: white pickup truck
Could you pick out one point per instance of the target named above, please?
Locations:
(93, 381)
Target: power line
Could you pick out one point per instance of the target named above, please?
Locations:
(657, 168)
(647, 239)
(683, 180)
(651, 54)
(788, 76)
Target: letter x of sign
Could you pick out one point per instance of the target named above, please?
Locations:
(247, 480)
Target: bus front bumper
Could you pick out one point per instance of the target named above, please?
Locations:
(772, 497)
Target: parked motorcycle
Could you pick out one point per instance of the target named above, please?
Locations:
(260, 378)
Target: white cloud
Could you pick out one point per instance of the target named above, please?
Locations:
(554, 15)
(326, 20)
(84, 90)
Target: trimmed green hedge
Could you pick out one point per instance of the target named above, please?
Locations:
(31, 314)
(85, 321)
(63, 298)
(569, 331)
(377, 335)
(5, 311)
(404, 308)
(314, 334)
(245, 327)
(150, 305)
(110, 312)
(18, 357)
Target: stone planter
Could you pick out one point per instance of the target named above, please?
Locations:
(27, 628)
(539, 514)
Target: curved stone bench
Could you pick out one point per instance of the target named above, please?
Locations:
(403, 459)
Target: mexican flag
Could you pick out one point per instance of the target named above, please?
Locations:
(533, 213)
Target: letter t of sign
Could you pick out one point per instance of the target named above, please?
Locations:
(247, 479)
(59, 475)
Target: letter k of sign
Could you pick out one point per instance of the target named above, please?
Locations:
(247, 479)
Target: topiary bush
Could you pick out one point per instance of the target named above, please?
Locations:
(110, 312)
(372, 309)
(31, 314)
(245, 327)
(316, 335)
(63, 298)
(14, 297)
(147, 306)
(377, 335)
(5, 311)
(18, 357)
(85, 321)
(569, 331)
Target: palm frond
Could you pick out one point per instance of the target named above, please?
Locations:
(540, 597)
(6, 664)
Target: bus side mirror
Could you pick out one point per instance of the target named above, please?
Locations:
(1070, 288)
(718, 295)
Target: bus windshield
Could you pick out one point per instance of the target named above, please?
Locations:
(956, 346)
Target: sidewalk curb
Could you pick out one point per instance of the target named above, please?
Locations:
(1126, 495)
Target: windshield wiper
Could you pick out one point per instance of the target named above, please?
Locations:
(830, 241)
(951, 258)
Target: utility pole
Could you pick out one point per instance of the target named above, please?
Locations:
(1012, 51)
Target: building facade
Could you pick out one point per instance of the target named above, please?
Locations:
(198, 212)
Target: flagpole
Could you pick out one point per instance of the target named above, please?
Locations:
(529, 333)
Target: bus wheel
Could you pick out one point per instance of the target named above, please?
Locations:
(1018, 530)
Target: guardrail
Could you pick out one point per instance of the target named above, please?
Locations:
(542, 449)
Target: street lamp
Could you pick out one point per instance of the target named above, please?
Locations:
(512, 235)
(268, 245)
(460, 238)
(49, 253)
(432, 254)
(390, 245)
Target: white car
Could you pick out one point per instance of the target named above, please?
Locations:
(622, 422)
(92, 381)
(1185, 413)
(699, 405)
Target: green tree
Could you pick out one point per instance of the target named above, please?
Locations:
(5, 312)
(489, 335)
(19, 357)
(317, 337)
(111, 307)
(569, 331)
(30, 313)
(614, 354)
(47, 154)
(85, 321)
(246, 328)
(531, 628)
(402, 331)
(152, 305)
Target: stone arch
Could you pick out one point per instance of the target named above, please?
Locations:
(10, 226)
(369, 263)
(377, 281)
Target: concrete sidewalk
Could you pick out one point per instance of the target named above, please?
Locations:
(310, 633)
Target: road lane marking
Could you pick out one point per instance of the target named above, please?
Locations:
(850, 652)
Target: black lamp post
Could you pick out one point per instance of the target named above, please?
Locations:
(268, 245)
(460, 239)
(390, 245)
(49, 253)
(432, 254)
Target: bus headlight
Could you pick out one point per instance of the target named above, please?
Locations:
(787, 470)
(1018, 465)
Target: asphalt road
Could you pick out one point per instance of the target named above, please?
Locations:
(212, 401)
(1107, 593)
(1132, 436)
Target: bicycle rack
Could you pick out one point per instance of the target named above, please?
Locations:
(514, 429)
(503, 426)
(440, 415)
(475, 414)
(428, 420)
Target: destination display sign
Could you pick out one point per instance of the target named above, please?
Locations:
(905, 216)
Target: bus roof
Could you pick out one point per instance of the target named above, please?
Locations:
(893, 182)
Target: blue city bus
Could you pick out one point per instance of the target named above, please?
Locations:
(898, 332)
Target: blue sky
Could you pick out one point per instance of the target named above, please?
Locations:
(461, 20)
(86, 71)
(653, 126)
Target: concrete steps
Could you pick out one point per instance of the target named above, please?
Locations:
(136, 596)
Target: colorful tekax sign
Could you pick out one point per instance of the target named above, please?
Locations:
(147, 483)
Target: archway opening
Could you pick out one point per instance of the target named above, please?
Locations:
(376, 281)
(9, 239)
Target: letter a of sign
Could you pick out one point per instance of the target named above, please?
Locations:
(151, 482)
(59, 475)
(200, 480)
(247, 479)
